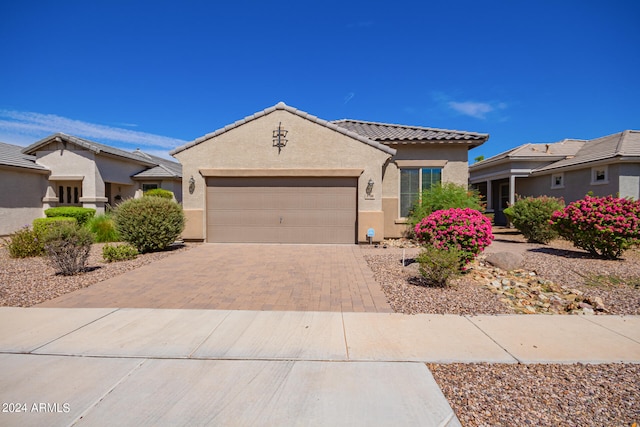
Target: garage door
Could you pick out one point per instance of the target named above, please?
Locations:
(281, 210)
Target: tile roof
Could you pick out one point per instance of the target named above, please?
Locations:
(543, 152)
(89, 145)
(622, 144)
(285, 107)
(12, 155)
(401, 134)
(166, 168)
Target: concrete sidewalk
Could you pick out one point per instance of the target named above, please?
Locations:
(185, 367)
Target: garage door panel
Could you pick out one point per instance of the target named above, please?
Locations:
(289, 218)
(264, 210)
(260, 199)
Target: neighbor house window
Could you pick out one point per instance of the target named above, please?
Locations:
(147, 187)
(599, 175)
(61, 194)
(413, 182)
(557, 180)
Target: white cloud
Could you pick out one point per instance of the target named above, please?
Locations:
(18, 126)
(479, 110)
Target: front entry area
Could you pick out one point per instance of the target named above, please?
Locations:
(281, 209)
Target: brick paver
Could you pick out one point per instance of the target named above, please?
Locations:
(243, 277)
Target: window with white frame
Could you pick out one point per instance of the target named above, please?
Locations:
(599, 175)
(412, 182)
(557, 180)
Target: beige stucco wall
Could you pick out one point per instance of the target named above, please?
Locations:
(455, 170)
(623, 179)
(23, 203)
(309, 146)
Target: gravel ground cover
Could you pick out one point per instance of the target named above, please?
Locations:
(516, 394)
(25, 282)
(615, 282)
(541, 395)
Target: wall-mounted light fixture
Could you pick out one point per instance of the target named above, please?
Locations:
(369, 189)
(192, 185)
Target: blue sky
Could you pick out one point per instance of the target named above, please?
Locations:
(157, 74)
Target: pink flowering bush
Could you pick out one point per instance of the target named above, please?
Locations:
(603, 226)
(464, 229)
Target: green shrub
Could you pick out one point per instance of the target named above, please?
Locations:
(104, 228)
(149, 223)
(439, 266)
(532, 216)
(81, 215)
(445, 196)
(67, 247)
(159, 192)
(24, 243)
(122, 252)
(508, 213)
(42, 226)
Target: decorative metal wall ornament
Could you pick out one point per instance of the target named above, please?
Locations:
(369, 189)
(192, 185)
(279, 137)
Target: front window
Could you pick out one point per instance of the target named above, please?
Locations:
(599, 175)
(557, 180)
(413, 182)
(147, 187)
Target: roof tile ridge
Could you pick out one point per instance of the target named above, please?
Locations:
(412, 127)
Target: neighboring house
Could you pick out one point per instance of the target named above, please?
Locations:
(23, 182)
(284, 176)
(63, 170)
(609, 165)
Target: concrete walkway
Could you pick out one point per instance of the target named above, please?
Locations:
(243, 277)
(217, 367)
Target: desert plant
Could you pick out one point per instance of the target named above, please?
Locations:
(531, 216)
(104, 228)
(81, 215)
(464, 229)
(67, 247)
(444, 196)
(24, 243)
(603, 226)
(159, 192)
(149, 223)
(439, 266)
(42, 226)
(121, 252)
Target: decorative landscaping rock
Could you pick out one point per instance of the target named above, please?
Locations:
(526, 293)
(505, 260)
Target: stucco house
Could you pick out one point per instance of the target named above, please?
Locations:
(571, 168)
(64, 170)
(282, 175)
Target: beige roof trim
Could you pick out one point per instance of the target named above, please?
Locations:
(66, 177)
(235, 173)
(421, 163)
(304, 115)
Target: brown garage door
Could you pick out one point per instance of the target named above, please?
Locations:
(281, 210)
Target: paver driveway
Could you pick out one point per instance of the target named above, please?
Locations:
(243, 277)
